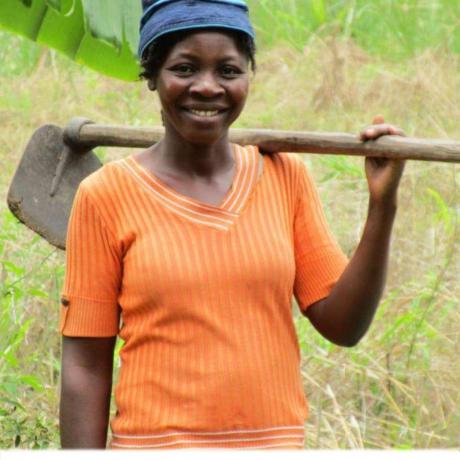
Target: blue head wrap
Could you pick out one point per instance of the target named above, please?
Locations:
(161, 17)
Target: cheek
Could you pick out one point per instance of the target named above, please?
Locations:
(241, 93)
(168, 103)
(169, 89)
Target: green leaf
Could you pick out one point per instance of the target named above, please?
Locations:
(53, 21)
(10, 389)
(319, 11)
(114, 20)
(22, 18)
(56, 4)
(100, 34)
(102, 22)
(37, 293)
(443, 213)
(11, 267)
(33, 381)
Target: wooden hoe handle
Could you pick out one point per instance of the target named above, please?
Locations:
(81, 133)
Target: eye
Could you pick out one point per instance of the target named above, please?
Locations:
(229, 71)
(183, 70)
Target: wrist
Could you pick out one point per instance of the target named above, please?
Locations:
(387, 205)
(381, 215)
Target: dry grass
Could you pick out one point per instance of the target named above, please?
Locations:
(399, 387)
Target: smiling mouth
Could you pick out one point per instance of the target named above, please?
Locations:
(204, 113)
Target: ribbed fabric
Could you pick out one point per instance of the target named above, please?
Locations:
(211, 356)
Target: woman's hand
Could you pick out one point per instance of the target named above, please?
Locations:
(383, 174)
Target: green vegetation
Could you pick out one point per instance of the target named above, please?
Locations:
(101, 35)
(28, 373)
(104, 35)
(399, 387)
(393, 28)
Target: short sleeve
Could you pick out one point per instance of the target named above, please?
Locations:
(319, 260)
(89, 299)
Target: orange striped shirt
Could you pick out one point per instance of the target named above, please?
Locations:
(210, 355)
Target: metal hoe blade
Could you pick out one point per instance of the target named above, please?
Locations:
(46, 180)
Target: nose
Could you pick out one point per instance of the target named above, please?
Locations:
(206, 85)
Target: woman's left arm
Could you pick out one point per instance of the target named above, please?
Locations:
(346, 314)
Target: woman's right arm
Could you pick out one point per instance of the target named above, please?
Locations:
(86, 384)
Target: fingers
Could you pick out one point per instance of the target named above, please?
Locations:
(379, 128)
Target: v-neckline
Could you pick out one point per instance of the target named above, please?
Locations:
(237, 170)
(220, 216)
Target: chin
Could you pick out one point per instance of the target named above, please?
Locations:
(204, 138)
(201, 135)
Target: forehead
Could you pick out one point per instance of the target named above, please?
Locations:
(208, 44)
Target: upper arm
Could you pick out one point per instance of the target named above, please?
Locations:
(93, 272)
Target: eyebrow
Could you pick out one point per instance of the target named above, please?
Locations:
(192, 56)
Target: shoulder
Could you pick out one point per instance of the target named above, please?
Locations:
(285, 161)
(105, 192)
(288, 166)
(282, 163)
(103, 182)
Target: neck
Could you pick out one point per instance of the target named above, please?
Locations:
(176, 154)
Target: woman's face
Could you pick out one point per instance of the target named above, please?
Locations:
(203, 85)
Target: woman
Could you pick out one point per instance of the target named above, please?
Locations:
(199, 245)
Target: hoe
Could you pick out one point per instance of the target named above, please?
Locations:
(56, 160)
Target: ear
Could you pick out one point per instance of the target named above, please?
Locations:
(151, 85)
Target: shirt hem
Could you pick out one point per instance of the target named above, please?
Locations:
(264, 438)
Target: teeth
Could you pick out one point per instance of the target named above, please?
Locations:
(205, 113)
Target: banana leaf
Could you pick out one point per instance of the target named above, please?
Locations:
(101, 34)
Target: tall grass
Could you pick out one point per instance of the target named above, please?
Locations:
(392, 28)
(29, 279)
(399, 387)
